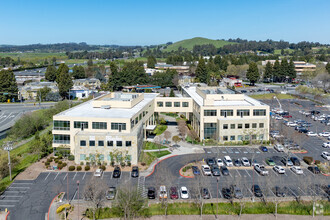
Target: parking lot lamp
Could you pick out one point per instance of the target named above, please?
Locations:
(9, 147)
(217, 196)
(78, 198)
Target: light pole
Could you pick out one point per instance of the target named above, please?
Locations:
(9, 147)
(78, 197)
(217, 196)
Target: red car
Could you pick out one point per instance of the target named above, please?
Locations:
(287, 116)
(174, 193)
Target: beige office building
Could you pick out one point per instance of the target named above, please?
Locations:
(120, 122)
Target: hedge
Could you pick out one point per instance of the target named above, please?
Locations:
(72, 168)
(87, 168)
(62, 207)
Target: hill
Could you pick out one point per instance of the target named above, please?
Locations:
(190, 43)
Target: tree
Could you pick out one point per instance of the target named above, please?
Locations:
(176, 139)
(50, 74)
(182, 127)
(99, 76)
(197, 193)
(327, 67)
(64, 82)
(277, 70)
(4, 169)
(114, 76)
(151, 62)
(43, 92)
(8, 85)
(291, 71)
(78, 72)
(167, 135)
(172, 93)
(54, 61)
(268, 71)
(63, 68)
(284, 70)
(90, 62)
(253, 73)
(94, 193)
(201, 71)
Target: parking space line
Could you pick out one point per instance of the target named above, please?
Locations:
(220, 193)
(18, 187)
(65, 176)
(292, 192)
(301, 190)
(111, 176)
(84, 175)
(23, 183)
(247, 173)
(313, 191)
(74, 175)
(10, 196)
(16, 191)
(56, 175)
(102, 176)
(272, 191)
(47, 176)
(10, 200)
(238, 173)
(274, 172)
(7, 206)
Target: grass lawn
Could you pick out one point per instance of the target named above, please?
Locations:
(149, 157)
(34, 56)
(160, 129)
(271, 95)
(286, 50)
(171, 114)
(152, 146)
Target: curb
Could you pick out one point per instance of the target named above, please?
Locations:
(305, 152)
(52, 203)
(184, 175)
(7, 215)
(325, 174)
(158, 163)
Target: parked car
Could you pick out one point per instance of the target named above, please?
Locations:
(210, 161)
(135, 171)
(263, 149)
(226, 193)
(270, 162)
(98, 172)
(162, 192)
(261, 169)
(151, 193)
(295, 161)
(326, 155)
(219, 162)
(174, 193)
(287, 116)
(257, 191)
(236, 192)
(195, 170)
(279, 169)
(245, 162)
(224, 171)
(228, 161)
(279, 147)
(312, 134)
(116, 172)
(184, 194)
(279, 192)
(205, 193)
(297, 170)
(326, 144)
(286, 162)
(111, 193)
(206, 170)
(237, 163)
(215, 170)
(302, 130)
(314, 169)
(324, 134)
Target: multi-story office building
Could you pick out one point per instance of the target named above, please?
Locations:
(119, 122)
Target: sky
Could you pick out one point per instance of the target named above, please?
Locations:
(148, 22)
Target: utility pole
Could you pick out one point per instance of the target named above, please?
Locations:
(78, 197)
(217, 196)
(9, 147)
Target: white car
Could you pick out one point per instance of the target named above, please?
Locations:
(297, 170)
(278, 117)
(326, 144)
(162, 192)
(325, 155)
(98, 173)
(279, 147)
(279, 169)
(312, 134)
(292, 124)
(324, 134)
(184, 192)
(219, 162)
(301, 112)
(245, 162)
(206, 170)
(228, 161)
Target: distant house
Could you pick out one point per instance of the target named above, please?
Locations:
(91, 83)
(30, 91)
(80, 92)
(232, 81)
(300, 66)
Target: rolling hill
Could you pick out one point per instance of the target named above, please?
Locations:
(189, 43)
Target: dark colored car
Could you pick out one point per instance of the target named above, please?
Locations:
(257, 191)
(224, 171)
(174, 193)
(295, 161)
(243, 91)
(279, 192)
(287, 116)
(205, 193)
(315, 112)
(226, 192)
(135, 171)
(263, 149)
(111, 193)
(236, 192)
(314, 169)
(215, 170)
(237, 163)
(210, 161)
(303, 130)
(151, 193)
(116, 172)
(196, 171)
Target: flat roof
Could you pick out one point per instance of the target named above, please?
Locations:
(86, 109)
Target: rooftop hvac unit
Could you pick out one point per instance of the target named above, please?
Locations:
(105, 106)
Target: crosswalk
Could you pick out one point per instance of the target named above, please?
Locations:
(236, 150)
(141, 187)
(12, 195)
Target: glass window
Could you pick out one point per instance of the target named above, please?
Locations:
(160, 104)
(132, 124)
(254, 125)
(247, 137)
(136, 120)
(101, 157)
(226, 113)
(82, 156)
(101, 143)
(261, 125)
(261, 136)
(144, 113)
(108, 157)
(110, 143)
(128, 158)
(243, 112)
(61, 125)
(168, 104)
(232, 138)
(118, 126)
(247, 125)
(80, 124)
(240, 126)
(239, 137)
(225, 126)
(92, 143)
(61, 139)
(210, 130)
(225, 138)
(119, 143)
(140, 116)
(210, 112)
(232, 126)
(128, 143)
(176, 104)
(99, 125)
(259, 112)
(185, 104)
(254, 137)
(83, 143)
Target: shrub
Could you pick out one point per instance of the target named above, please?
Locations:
(49, 160)
(122, 164)
(143, 163)
(87, 167)
(62, 207)
(162, 121)
(81, 163)
(47, 163)
(102, 167)
(78, 168)
(88, 163)
(105, 163)
(129, 163)
(308, 160)
(60, 166)
(72, 168)
(59, 162)
(52, 158)
(317, 162)
(99, 163)
(71, 158)
(60, 157)
(112, 163)
(56, 160)
(64, 164)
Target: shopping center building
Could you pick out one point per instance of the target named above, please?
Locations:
(120, 122)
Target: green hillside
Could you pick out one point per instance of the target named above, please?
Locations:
(190, 43)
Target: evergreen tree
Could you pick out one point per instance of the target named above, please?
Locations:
(90, 62)
(50, 74)
(99, 76)
(42, 93)
(54, 61)
(277, 71)
(327, 67)
(284, 70)
(224, 64)
(253, 73)
(114, 77)
(63, 68)
(201, 71)
(46, 62)
(217, 60)
(292, 71)
(64, 83)
(172, 93)
(78, 72)
(151, 62)
(268, 71)
(8, 85)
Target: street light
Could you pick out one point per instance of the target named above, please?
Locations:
(217, 196)
(9, 147)
(78, 198)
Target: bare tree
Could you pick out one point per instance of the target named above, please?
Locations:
(197, 193)
(176, 139)
(167, 135)
(94, 194)
(182, 127)
(193, 135)
(163, 178)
